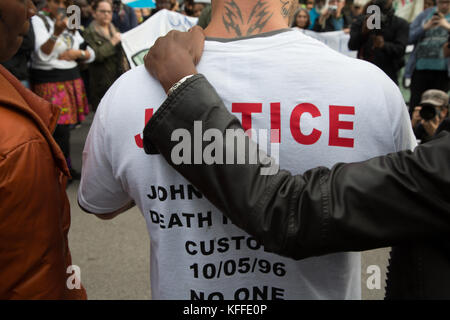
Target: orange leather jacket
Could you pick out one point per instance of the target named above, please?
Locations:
(34, 208)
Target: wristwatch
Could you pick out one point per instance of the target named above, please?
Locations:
(54, 38)
(176, 85)
(83, 54)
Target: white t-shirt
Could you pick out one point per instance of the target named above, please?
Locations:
(67, 40)
(195, 251)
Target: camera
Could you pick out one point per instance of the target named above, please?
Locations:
(62, 12)
(332, 8)
(428, 112)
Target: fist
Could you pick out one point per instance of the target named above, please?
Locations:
(175, 56)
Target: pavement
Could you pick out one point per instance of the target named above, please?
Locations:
(113, 255)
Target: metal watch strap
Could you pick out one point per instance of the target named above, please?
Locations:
(53, 38)
(176, 85)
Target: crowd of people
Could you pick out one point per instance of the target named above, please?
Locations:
(73, 69)
(87, 61)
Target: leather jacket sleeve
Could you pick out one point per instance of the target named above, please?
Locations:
(401, 198)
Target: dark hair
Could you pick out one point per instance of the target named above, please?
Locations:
(40, 4)
(68, 3)
(95, 3)
(294, 20)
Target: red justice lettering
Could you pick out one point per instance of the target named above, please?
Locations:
(138, 138)
(296, 115)
(335, 125)
(275, 122)
(247, 109)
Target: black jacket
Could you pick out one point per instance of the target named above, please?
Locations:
(124, 19)
(390, 58)
(401, 199)
(18, 65)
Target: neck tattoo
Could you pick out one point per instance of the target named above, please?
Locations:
(233, 20)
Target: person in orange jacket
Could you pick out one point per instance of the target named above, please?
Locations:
(35, 261)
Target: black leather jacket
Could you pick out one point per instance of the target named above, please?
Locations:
(401, 199)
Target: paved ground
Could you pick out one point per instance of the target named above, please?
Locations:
(114, 255)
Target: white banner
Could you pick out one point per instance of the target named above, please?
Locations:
(408, 9)
(139, 40)
(336, 40)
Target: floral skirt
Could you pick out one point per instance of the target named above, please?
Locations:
(70, 96)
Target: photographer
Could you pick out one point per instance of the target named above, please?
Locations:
(332, 18)
(428, 33)
(383, 47)
(124, 17)
(429, 118)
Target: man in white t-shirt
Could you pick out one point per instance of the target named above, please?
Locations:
(328, 108)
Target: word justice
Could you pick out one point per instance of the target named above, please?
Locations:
(335, 124)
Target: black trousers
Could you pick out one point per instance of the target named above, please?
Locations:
(62, 137)
(423, 80)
